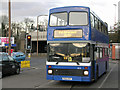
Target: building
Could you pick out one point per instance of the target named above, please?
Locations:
(42, 41)
(114, 34)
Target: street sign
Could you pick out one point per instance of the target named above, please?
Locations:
(5, 40)
(13, 45)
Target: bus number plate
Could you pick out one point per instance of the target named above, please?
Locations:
(66, 78)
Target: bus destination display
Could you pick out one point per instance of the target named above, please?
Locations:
(68, 33)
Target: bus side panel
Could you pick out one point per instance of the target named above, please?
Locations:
(102, 65)
(98, 36)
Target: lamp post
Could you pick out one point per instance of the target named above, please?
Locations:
(37, 30)
(9, 49)
(115, 11)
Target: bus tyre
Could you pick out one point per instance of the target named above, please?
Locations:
(17, 71)
(106, 67)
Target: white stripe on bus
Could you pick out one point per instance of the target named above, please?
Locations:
(68, 64)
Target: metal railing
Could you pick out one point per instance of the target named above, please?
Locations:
(41, 36)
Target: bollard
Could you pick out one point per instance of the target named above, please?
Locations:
(29, 55)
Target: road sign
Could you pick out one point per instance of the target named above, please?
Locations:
(25, 64)
(13, 45)
(5, 40)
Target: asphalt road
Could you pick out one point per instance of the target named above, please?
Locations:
(35, 77)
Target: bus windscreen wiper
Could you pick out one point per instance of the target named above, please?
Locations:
(77, 63)
(57, 62)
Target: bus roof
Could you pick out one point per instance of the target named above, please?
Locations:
(68, 7)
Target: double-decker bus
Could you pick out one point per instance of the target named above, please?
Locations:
(77, 41)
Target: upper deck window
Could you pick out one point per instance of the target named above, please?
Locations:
(78, 18)
(58, 19)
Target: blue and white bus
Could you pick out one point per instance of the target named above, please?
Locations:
(78, 43)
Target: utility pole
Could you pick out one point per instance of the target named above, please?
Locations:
(37, 34)
(115, 11)
(6, 40)
(9, 49)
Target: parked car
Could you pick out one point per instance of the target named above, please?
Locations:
(18, 56)
(8, 65)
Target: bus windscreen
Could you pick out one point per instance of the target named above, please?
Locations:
(58, 19)
(78, 18)
(61, 52)
(75, 19)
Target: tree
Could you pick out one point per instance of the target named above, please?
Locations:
(43, 23)
(4, 25)
(28, 22)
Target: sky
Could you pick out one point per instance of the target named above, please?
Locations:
(32, 8)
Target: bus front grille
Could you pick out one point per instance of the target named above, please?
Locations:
(68, 72)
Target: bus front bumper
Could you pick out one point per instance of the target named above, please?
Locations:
(69, 78)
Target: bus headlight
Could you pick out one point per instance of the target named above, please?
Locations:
(86, 73)
(50, 71)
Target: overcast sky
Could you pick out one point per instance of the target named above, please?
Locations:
(32, 8)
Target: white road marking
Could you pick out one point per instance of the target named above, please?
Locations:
(106, 77)
(44, 84)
